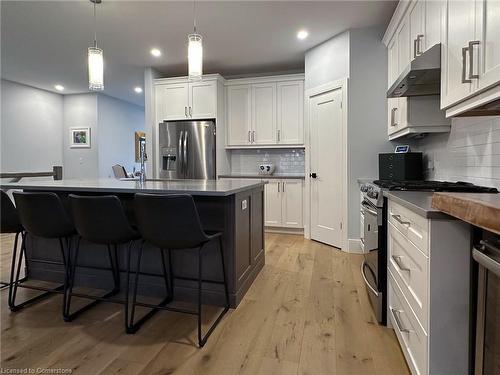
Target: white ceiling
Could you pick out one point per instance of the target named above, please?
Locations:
(44, 43)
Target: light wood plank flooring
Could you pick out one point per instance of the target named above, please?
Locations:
(306, 313)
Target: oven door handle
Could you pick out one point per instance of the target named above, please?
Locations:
(363, 265)
(486, 261)
(369, 209)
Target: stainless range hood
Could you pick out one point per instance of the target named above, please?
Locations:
(421, 77)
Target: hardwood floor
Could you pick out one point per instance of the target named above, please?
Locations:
(306, 313)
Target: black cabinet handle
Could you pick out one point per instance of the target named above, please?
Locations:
(313, 175)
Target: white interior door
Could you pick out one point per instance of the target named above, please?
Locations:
(325, 119)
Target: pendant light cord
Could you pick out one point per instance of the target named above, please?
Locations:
(194, 16)
(95, 26)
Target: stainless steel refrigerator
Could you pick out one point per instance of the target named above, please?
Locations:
(187, 149)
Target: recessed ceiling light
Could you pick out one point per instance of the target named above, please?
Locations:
(156, 52)
(59, 87)
(302, 34)
(138, 89)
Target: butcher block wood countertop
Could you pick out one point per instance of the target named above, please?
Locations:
(479, 209)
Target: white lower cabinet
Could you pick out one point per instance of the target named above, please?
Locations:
(428, 290)
(283, 203)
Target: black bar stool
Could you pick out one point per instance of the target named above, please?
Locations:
(42, 215)
(172, 222)
(100, 220)
(9, 223)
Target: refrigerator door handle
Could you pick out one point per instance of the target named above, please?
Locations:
(181, 161)
(185, 150)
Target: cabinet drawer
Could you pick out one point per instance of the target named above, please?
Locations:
(410, 267)
(411, 336)
(414, 227)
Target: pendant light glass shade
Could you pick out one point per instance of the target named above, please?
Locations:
(96, 69)
(195, 56)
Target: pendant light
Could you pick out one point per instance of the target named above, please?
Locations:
(95, 59)
(195, 51)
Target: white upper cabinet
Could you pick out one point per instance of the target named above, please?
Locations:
(264, 113)
(180, 99)
(486, 49)
(202, 99)
(172, 101)
(471, 62)
(459, 30)
(290, 126)
(404, 51)
(417, 29)
(432, 24)
(239, 103)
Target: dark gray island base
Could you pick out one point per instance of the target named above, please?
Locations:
(234, 207)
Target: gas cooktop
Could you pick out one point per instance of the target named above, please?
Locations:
(463, 187)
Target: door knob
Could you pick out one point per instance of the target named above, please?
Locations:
(313, 175)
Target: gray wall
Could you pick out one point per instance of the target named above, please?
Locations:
(34, 131)
(80, 110)
(30, 131)
(327, 62)
(118, 121)
(360, 56)
(367, 114)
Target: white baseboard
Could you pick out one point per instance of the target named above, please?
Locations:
(354, 246)
(283, 230)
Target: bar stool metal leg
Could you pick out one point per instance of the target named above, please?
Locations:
(14, 283)
(67, 315)
(131, 326)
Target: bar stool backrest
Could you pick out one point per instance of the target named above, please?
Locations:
(101, 219)
(43, 214)
(169, 221)
(9, 219)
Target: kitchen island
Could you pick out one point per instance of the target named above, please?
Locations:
(234, 207)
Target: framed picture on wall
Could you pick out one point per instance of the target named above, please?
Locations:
(79, 137)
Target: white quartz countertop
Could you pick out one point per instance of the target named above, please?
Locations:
(222, 187)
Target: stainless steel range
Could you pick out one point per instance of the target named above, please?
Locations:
(374, 231)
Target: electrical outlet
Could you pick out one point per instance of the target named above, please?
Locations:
(244, 204)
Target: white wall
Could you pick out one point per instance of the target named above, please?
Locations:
(30, 131)
(80, 110)
(470, 152)
(118, 121)
(327, 62)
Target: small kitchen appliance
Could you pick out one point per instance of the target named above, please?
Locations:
(400, 166)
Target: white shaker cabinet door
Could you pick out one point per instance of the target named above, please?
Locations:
(272, 192)
(239, 103)
(175, 101)
(264, 113)
(459, 31)
(292, 203)
(290, 112)
(417, 29)
(203, 100)
(487, 45)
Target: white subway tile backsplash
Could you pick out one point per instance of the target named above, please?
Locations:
(285, 160)
(470, 152)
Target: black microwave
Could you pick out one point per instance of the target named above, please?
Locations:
(400, 167)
